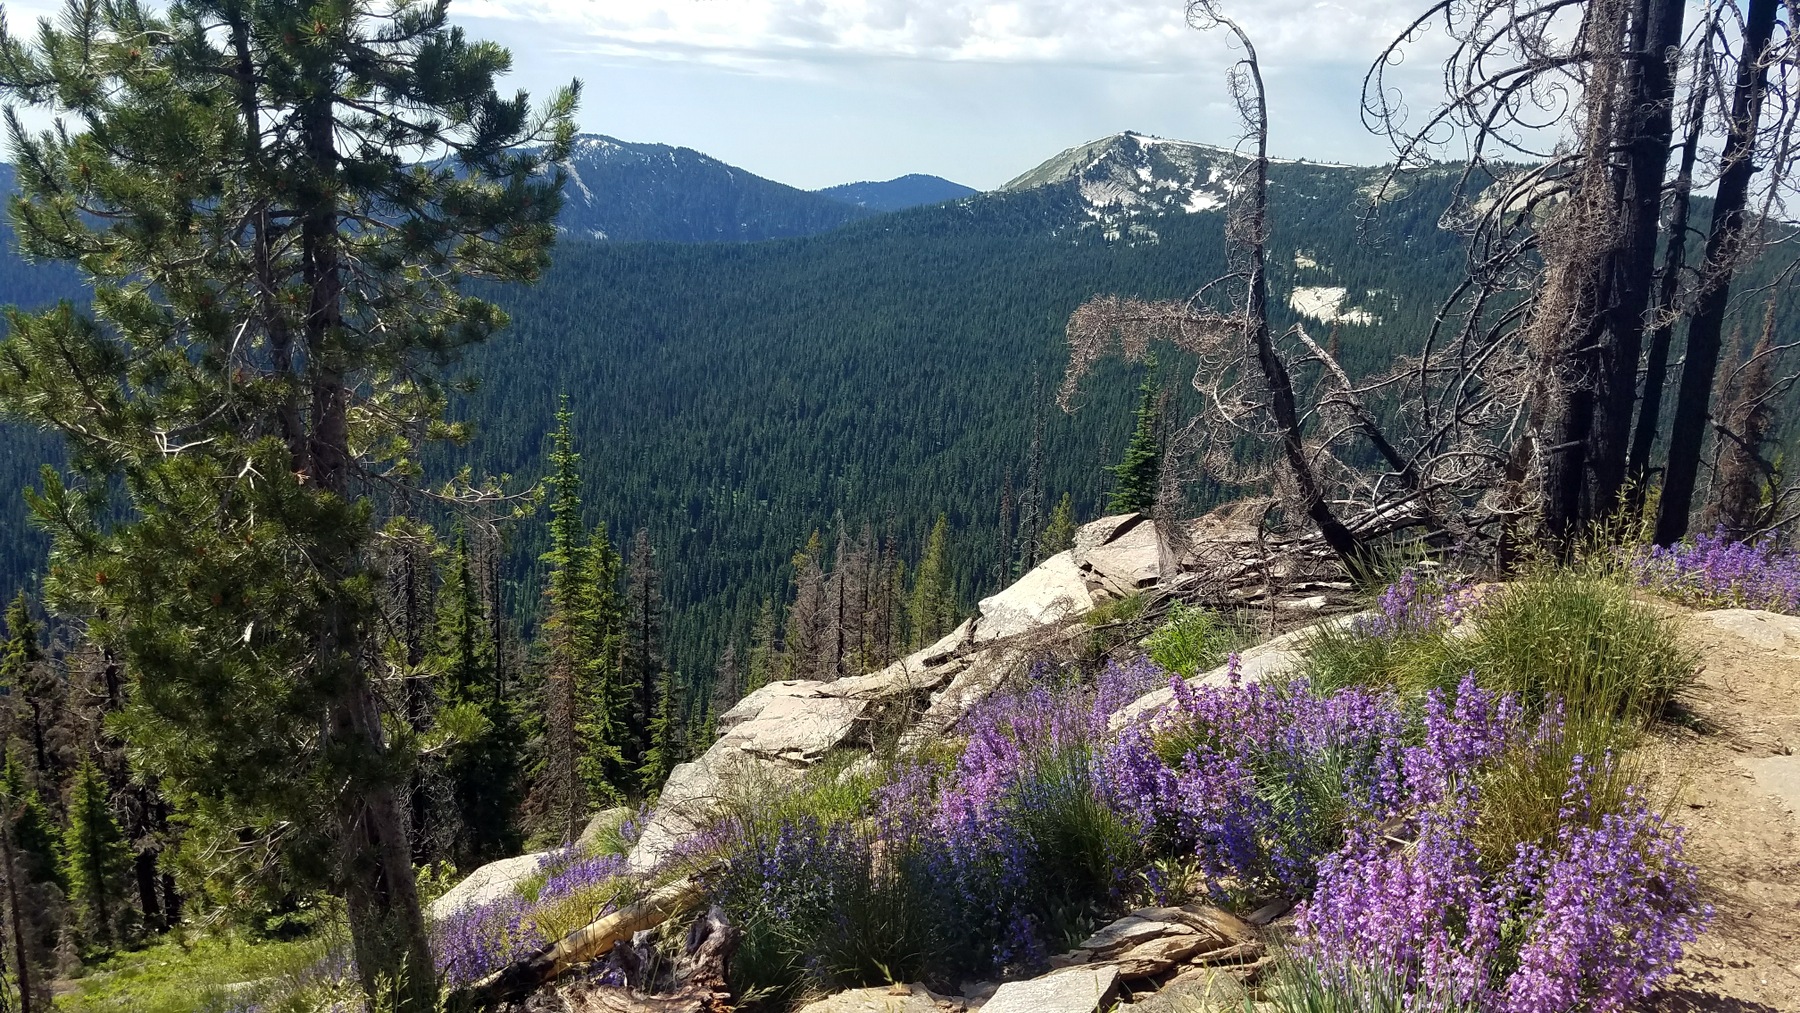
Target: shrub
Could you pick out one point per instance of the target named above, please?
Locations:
(1578, 639)
(1591, 920)
(1189, 641)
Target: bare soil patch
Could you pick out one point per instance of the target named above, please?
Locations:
(1738, 781)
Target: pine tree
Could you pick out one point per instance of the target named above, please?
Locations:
(33, 830)
(484, 759)
(641, 663)
(1137, 477)
(1059, 535)
(96, 861)
(803, 644)
(31, 864)
(560, 782)
(764, 656)
(603, 700)
(37, 691)
(727, 689)
(667, 741)
(1031, 507)
(932, 607)
(275, 203)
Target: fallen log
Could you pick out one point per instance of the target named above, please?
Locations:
(586, 943)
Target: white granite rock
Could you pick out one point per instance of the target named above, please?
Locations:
(1074, 990)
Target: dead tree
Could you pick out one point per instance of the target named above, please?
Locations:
(1245, 379)
(1731, 222)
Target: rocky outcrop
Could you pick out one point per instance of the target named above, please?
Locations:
(1055, 592)
(773, 735)
(770, 738)
(488, 884)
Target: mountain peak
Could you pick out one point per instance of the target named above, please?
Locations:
(1128, 149)
(897, 194)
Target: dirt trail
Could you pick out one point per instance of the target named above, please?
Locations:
(1739, 798)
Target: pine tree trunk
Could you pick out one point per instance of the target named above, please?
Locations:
(1705, 328)
(17, 918)
(387, 925)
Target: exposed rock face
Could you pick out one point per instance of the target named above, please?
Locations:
(1120, 555)
(488, 884)
(1054, 592)
(773, 735)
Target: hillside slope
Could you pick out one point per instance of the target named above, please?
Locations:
(654, 192)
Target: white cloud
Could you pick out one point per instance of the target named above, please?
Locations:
(1147, 35)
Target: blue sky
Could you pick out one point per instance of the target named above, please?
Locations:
(815, 92)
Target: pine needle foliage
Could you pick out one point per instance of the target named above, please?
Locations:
(96, 862)
(275, 203)
(1138, 476)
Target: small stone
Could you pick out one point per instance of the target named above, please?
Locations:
(1270, 911)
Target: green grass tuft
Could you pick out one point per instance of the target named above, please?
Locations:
(1190, 640)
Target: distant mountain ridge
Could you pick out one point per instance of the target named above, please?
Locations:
(908, 191)
(624, 192)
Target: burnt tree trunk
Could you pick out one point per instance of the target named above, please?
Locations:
(1723, 243)
(1656, 368)
(1655, 33)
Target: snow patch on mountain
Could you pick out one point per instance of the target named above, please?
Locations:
(1325, 303)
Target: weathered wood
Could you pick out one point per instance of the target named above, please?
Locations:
(711, 943)
(584, 944)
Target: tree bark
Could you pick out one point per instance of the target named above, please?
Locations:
(1655, 32)
(1700, 368)
(1656, 368)
(20, 947)
(387, 924)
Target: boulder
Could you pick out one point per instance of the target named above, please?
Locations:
(1158, 956)
(1201, 990)
(1094, 534)
(1052, 593)
(892, 999)
(1226, 926)
(487, 884)
(772, 735)
(1129, 562)
(1275, 657)
(1075, 990)
(975, 681)
(1770, 631)
(1127, 932)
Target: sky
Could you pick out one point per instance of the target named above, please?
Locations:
(817, 92)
